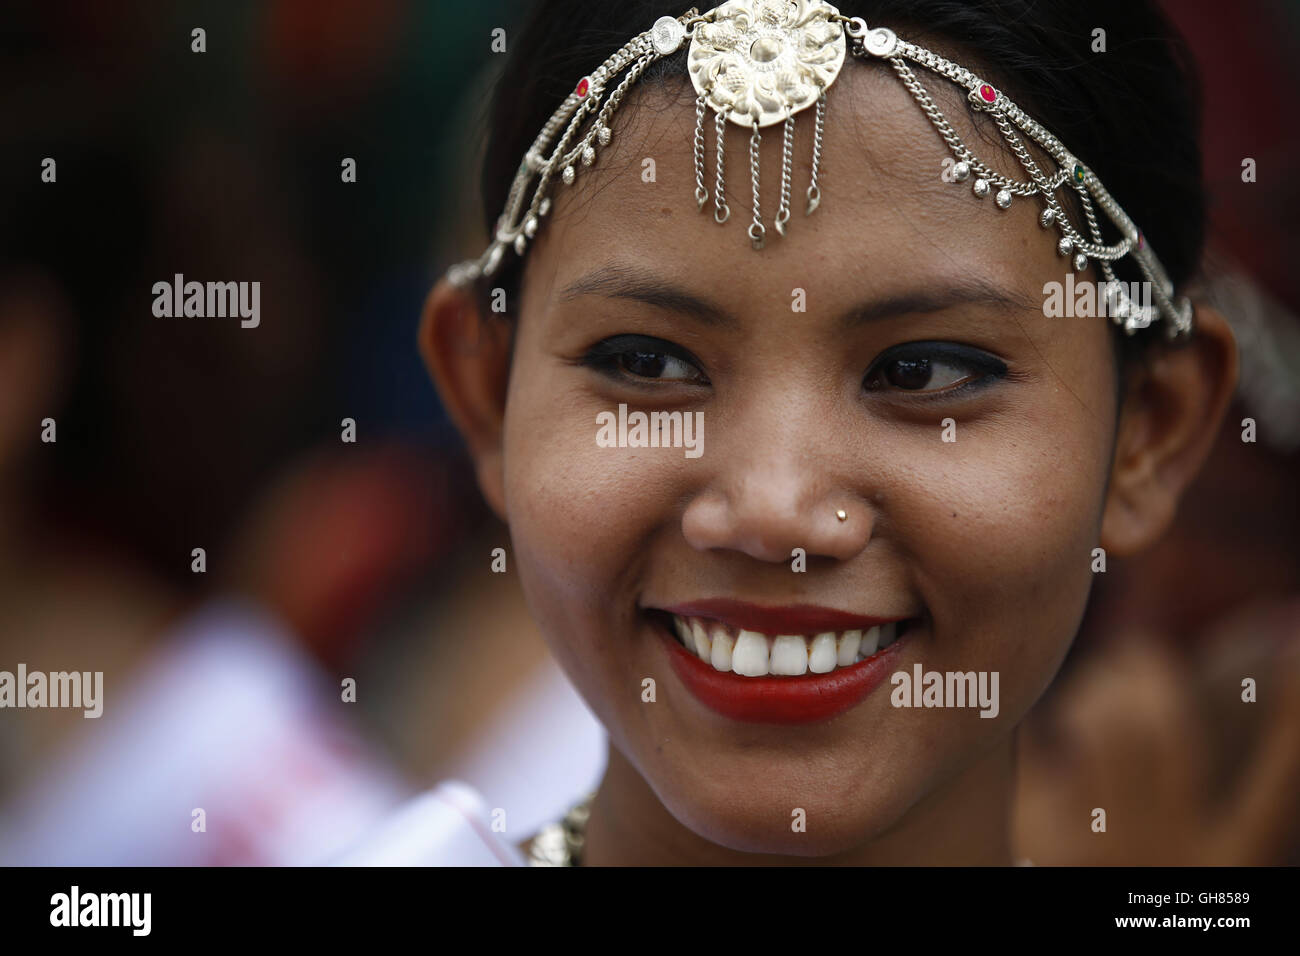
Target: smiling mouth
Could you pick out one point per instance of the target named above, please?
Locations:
(750, 653)
(753, 675)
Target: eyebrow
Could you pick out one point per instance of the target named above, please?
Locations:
(616, 281)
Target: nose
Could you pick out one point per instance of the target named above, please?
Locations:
(768, 497)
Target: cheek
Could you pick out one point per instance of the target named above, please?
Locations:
(582, 518)
(1002, 526)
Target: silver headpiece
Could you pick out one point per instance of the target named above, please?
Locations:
(758, 63)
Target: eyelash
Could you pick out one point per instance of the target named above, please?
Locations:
(607, 355)
(985, 368)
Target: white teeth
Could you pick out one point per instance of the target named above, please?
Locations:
(749, 656)
(822, 658)
(870, 641)
(789, 655)
(753, 654)
(720, 656)
(700, 641)
(848, 652)
(683, 630)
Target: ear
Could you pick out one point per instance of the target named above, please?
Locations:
(1172, 412)
(468, 358)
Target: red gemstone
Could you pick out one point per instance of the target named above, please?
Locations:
(1141, 239)
(583, 86)
(988, 93)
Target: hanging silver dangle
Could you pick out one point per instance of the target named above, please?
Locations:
(814, 191)
(758, 63)
(787, 158)
(721, 211)
(756, 228)
(701, 193)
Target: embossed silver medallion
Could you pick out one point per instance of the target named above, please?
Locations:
(763, 60)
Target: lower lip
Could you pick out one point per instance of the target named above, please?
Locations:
(779, 700)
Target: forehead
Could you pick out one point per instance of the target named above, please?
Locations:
(887, 217)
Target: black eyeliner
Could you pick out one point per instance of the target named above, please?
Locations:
(603, 355)
(617, 345)
(967, 355)
(978, 360)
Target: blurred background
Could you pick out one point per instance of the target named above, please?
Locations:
(325, 560)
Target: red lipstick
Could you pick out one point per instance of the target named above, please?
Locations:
(779, 700)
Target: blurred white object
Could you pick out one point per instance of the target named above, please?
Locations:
(540, 757)
(233, 718)
(450, 825)
(230, 717)
(526, 769)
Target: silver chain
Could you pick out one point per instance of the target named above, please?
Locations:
(1022, 152)
(787, 159)
(756, 228)
(611, 104)
(960, 150)
(701, 194)
(721, 211)
(814, 191)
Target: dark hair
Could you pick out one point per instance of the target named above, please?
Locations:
(1131, 113)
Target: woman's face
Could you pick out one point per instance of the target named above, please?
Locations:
(982, 545)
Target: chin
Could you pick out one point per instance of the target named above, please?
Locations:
(762, 819)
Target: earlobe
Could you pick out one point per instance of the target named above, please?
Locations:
(468, 358)
(1172, 412)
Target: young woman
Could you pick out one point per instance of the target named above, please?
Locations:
(904, 459)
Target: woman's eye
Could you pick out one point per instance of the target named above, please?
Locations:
(932, 367)
(655, 365)
(643, 357)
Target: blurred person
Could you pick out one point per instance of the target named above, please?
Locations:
(220, 676)
(1169, 640)
(215, 741)
(1151, 722)
(1161, 742)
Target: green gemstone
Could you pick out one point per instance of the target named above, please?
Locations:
(1078, 173)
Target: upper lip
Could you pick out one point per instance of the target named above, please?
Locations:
(784, 619)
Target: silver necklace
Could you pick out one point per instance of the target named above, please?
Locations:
(562, 843)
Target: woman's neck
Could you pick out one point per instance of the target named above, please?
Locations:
(965, 822)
